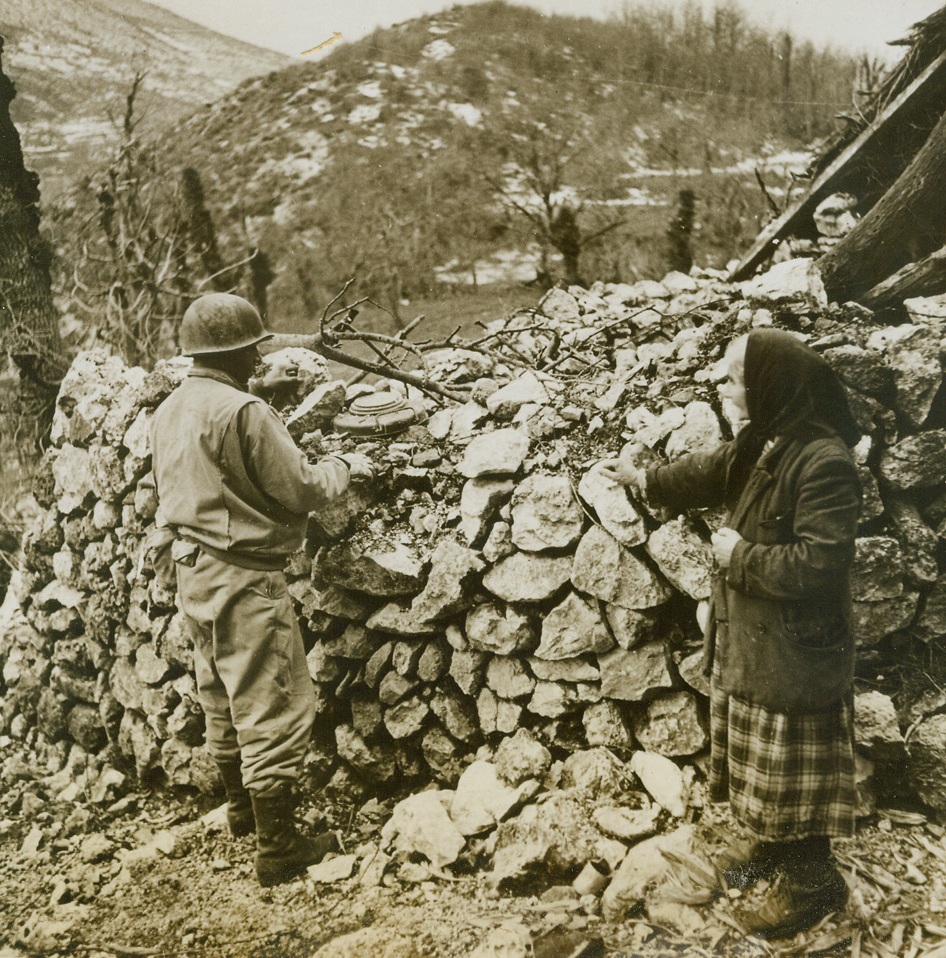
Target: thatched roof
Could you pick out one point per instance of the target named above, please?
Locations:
(925, 42)
(875, 149)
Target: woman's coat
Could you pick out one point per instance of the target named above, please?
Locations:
(782, 610)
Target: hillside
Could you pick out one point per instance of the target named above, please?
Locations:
(73, 62)
(481, 144)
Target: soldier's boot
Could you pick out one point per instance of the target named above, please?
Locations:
(281, 852)
(239, 805)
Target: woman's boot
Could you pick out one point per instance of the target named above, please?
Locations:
(808, 888)
(239, 806)
(281, 852)
(747, 862)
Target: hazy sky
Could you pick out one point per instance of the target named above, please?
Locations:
(294, 26)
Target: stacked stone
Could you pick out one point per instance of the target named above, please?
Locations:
(491, 580)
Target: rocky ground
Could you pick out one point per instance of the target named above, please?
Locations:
(153, 874)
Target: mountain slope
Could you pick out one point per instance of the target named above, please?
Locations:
(436, 148)
(73, 62)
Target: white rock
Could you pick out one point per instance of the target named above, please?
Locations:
(573, 628)
(482, 800)
(420, 824)
(528, 578)
(794, 280)
(498, 453)
(645, 866)
(607, 570)
(699, 432)
(334, 870)
(545, 514)
(613, 508)
(508, 399)
(663, 780)
(684, 558)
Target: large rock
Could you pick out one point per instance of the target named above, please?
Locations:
(631, 627)
(497, 714)
(573, 628)
(552, 700)
(917, 462)
(671, 725)
(664, 781)
(317, 410)
(613, 508)
(607, 570)
(684, 558)
(499, 631)
(72, 475)
(877, 572)
(559, 306)
(375, 567)
(565, 670)
(376, 762)
(794, 282)
(919, 543)
(479, 502)
(457, 713)
(545, 515)
(648, 866)
(520, 757)
(420, 825)
(912, 352)
(628, 675)
(482, 800)
(699, 432)
(378, 941)
(454, 571)
(605, 725)
(597, 771)
(872, 621)
(509, 678)
(498, 453)
(528, 578)
(876, 726)
(927, 770)
(546, 843)
(509, 399)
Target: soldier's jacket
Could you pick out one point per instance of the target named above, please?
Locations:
(229, 476)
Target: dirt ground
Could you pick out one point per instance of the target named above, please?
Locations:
(154, 875)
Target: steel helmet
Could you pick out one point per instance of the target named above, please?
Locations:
(220, 322)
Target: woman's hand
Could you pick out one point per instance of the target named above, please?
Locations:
(625, 471)
(723, 542)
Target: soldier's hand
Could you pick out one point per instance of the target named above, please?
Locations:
(359, 466)
(277, 379)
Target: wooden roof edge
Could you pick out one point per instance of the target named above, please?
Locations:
(821, 185)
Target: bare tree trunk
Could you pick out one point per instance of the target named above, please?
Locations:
(29, 322)
(907, 224)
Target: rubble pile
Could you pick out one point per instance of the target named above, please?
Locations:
(491, 581)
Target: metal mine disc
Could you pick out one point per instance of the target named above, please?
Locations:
(377, 414)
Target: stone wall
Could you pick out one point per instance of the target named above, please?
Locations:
(491, 579)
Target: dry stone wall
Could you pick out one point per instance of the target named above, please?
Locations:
(491, 579)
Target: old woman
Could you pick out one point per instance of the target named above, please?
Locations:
(779, 644)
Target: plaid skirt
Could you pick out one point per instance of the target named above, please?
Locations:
(784, 776)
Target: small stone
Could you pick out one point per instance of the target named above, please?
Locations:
(334, 870)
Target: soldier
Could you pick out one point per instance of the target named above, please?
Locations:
(234, 492)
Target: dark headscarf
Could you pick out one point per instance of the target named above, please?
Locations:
(791, 392)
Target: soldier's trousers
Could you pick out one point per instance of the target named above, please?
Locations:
(252, 677)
